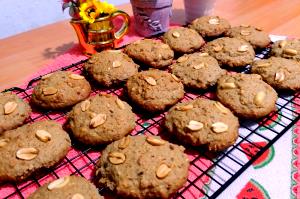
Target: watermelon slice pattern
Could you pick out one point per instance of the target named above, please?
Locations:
(271, 123)
(295, 183)
(253, 190)
(264, 159)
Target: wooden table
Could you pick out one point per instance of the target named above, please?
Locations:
(26, 53)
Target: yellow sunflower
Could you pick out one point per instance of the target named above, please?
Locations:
(91, 9)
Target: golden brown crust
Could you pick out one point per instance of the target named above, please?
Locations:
(144, 170)
(183, 40)
(154, 90)
(19, 111)
(75, 185)
(207, 115)
(256, 37)
(111, 67)
(289, 49)
(246, 95)
(197, 71)
(232, 52)
(48, 153)
(150, 52)
(210, 26)
(279, 72)
(117, 118)
(60, 90)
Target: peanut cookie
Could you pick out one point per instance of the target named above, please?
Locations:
(31, 147)
(232, 52)
(142, 167)
(101, 119)
(68, 187)
(255, 36)
(210, 26)
(60, 90)
(151, 52)
(111, 67)
(183, 40)
(13, 111)
(198, 70)
(279, 72)
(246, 95)
(203, 122)
(154, 90)
(289, 49)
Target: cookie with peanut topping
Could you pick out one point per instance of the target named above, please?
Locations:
(289, 49)
(231, 52)
(111, 67)
(142, 167)
(197, 70)
(246, 95)
(280, 73)
(101, 119)
(13, 111)
(210, 26)
(151, 52)
(60, 90)
(183, 40)
(154, 90)
(203, 122)
(255, 36)
(71, 187)
(31, 147)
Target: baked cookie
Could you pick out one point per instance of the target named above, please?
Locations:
(289, 49)
(31, 147)
(154, 90)
(111, 67)
(71, 187)
(210, 26)
(60, 90)
(255, 36)
(279, 72)
(183, 40)
(197, 70)
(232, 52)
(101, 119)
(142, 167)
(246, 95)
(13, 111)
(203, 122)
(151, 52)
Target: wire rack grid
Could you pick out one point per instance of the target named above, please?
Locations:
(209, 173)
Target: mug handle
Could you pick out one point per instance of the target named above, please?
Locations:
(125, 26)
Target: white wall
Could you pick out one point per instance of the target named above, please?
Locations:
(22, 15)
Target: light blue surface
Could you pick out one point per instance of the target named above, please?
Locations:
(22, 15)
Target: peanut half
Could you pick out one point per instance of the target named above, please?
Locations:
(124, 142)
(219, 127)
(43, 135)
(10, 107)
(194, 125)
(59, 183)
(76, 77)
(27, 153)
(155, 141)
(98, 120)
(151, 81)
(116, 158)
(85, 105)
(163, 171)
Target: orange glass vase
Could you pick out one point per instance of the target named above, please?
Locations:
(101, 34)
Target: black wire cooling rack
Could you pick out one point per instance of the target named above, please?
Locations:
(209, 175)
